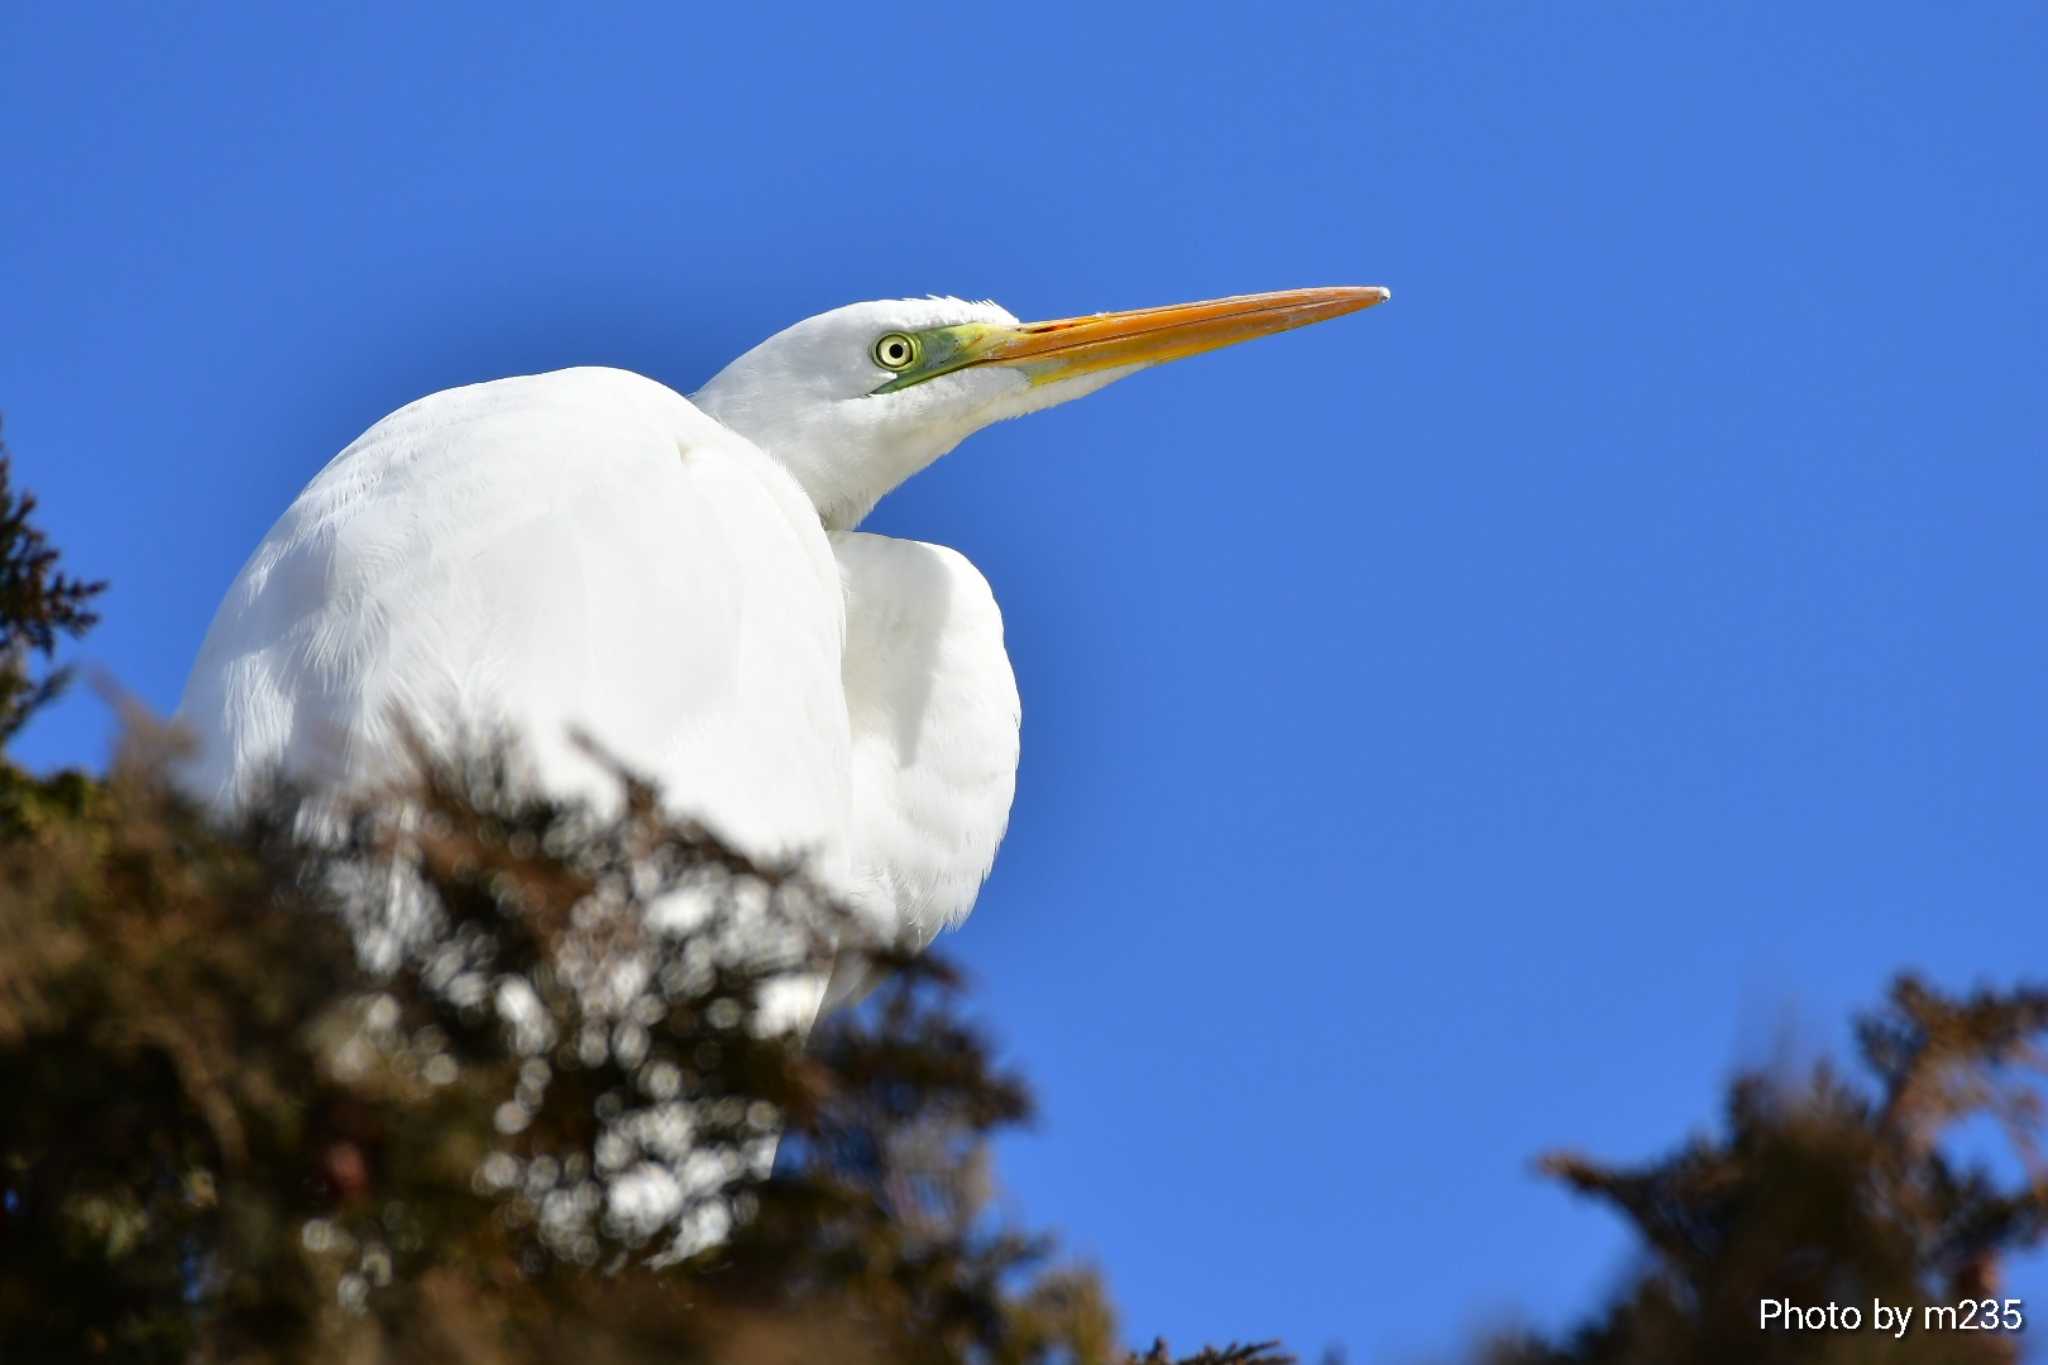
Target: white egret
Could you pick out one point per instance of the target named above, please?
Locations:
(682, 580)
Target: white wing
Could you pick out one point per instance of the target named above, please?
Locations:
(577, 549)
(933, 710)
(586, 550)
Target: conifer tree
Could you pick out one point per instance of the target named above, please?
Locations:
(1826, 1189)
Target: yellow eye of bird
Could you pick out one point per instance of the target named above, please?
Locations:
(895, 351)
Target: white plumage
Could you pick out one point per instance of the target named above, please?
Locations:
(680, 579)
(545, 554)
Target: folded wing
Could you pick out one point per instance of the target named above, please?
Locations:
(933, 714)
(577, 551)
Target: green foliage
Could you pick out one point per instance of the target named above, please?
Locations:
(1824, 1191)
(433, 1087)
(37, 606)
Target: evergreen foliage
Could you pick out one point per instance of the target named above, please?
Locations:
(37, 606)
(1822, 1190)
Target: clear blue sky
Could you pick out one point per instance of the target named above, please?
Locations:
(1450, 732)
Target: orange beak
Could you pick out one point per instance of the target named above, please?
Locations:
(1049, 351)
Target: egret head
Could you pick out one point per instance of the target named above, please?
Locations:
(854, 401)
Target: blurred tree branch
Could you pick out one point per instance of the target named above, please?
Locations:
(1824, 1191)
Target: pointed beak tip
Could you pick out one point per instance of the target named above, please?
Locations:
(1337, 300)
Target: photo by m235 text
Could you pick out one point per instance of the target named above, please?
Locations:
(1896, 1320)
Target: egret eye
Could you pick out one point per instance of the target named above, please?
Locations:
(896, 351)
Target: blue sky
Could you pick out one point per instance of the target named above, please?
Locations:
(1451, 732)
